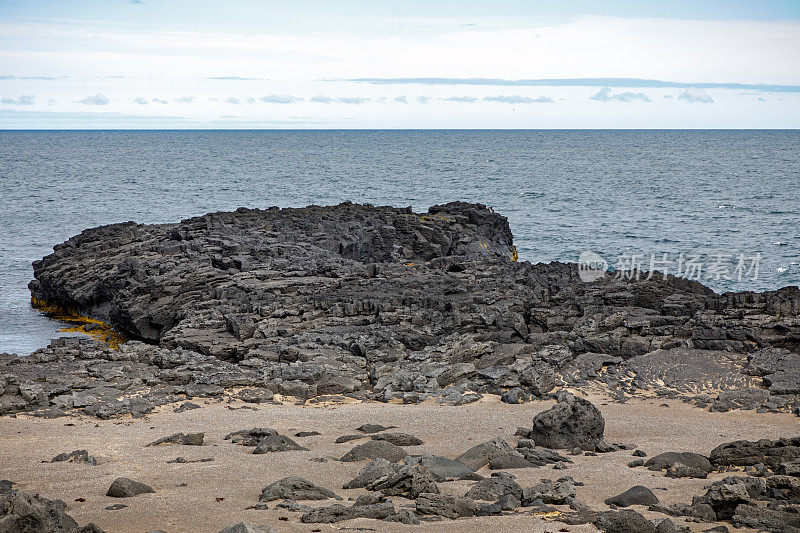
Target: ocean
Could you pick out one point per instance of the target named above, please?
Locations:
(725, 202)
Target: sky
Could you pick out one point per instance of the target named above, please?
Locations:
(142, 64)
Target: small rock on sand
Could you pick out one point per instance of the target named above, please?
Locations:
(125, 488)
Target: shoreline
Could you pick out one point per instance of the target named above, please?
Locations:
(238, 476)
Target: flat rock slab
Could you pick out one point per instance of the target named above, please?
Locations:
(190, 439)
(398, 439)
(376, 449)
(373, 428)
(667, 459)
(277, 443)
(294, 488)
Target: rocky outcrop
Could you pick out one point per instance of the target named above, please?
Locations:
(748, 453)
(385, 304)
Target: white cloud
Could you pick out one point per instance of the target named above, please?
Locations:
(96, 99)
(139, 100)
(25, 99)
(358, 100)
(515, 99)
(401, 99)
(423, 99)
(280, 99)
(695, 96)
(184, 100)
(605, 95)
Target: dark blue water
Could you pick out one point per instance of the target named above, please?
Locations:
(613, 192)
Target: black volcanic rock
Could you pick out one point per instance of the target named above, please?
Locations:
(24, 512)
(765, 451)
(294, 488)
(123, 487)
(637, 495)
(379, 303)
(572, 423)
(668, 459)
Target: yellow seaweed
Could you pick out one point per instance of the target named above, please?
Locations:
(78, 323)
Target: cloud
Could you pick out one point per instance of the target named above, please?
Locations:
(423, 99)
(605, 95)
(9, 77)
(358, 100)
(235, 78)
(25, 99)
(159, 101)
(184, 100)
(139, 100)
(280, 99)
(465, 99)
(577, 82)
(515, 99)
(694, 95)
(401, 99)
(97, 99)
(233, 100)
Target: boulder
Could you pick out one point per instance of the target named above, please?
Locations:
(77, 456)
(405, 480)
(550, 492)
(29, 513)
(495, 487)
(441, 468)
(726, 495)
(572, 422)
(625, 521)
(481, 455)
(123, 487)
(277, 443)
(637, 495)
(375, 470)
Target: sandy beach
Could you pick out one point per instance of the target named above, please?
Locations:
(207, 496)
